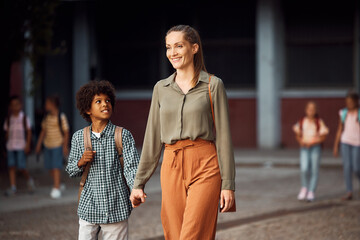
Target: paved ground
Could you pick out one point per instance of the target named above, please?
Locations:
(267, 184)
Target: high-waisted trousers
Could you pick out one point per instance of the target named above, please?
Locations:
(191, 185)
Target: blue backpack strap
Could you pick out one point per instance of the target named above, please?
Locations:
(359, 115)
(344, 112)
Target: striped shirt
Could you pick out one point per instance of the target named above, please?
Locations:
(53, 136)
(105, 197)
(16, 140)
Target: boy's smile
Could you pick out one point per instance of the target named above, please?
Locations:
(101, 108)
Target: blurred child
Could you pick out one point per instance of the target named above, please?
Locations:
(310, 132)
(104, 204)
(55, 136)
(18, 143)
(348, 137)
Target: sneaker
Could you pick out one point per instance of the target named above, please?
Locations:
(347, 197)
(10, 192)
(62, 187)
(55, 193)
(31, 185)
(302, 194)
(310, 196)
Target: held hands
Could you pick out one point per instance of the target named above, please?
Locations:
(87, 157)
(137, 197)
(227, 199)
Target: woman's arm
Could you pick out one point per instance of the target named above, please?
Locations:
(151, 151)
(223, 135)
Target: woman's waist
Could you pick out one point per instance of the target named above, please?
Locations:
(188, 143)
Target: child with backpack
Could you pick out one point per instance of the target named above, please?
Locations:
(310, 132)
(55, 137)
(18, 143)
(106, 158)
(348, 137)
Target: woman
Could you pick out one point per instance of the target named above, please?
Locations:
(197, 168)
(310, 132)
(348, 135)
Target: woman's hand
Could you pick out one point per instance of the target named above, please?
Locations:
(227, 199)
(137, 197)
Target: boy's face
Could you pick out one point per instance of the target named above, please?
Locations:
(15, 106)
(101, 108)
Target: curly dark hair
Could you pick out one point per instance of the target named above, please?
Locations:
(86, 93)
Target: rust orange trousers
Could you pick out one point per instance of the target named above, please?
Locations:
(191, 185)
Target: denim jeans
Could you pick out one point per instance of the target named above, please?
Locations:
(351, 163)
(309, 166)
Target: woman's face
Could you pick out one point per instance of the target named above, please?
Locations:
(179, 51)
(310, 110)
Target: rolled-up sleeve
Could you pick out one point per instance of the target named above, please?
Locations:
(75, 155)
(223, 135)
(152, 145)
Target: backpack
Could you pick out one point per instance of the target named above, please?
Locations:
(8, 125)
(317, 122)
(88, 146)
(344, 112)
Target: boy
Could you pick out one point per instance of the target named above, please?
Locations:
(104, 201)
(55, 136)
(18, 140)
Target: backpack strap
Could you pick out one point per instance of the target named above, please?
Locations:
(87, 147)
(344, 112)
(60, 124)
(119, 146)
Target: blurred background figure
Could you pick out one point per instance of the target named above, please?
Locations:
(18, 143)
(348, 138)
(310, 132)
(55, 137)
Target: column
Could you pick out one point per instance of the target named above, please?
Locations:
(357, 47)
(269, 72)
(81, 58)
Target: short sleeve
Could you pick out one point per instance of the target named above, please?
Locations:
(28, 123)
(324, 130)
(64, 122)
(296, 128)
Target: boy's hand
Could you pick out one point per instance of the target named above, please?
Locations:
(27, 149)
(87, 157)
(38, 149)
(137, 197)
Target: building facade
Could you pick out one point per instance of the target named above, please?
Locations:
(272, 55)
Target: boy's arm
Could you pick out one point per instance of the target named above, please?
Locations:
(75, 155)
(131, 158)
(40, 141)
(28, 141)
(66, 143)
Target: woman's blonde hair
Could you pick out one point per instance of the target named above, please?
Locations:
(193, 37)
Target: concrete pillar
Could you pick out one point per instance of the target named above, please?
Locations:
(81, 58)
(269, 72)
(357, 46)
(28, 101)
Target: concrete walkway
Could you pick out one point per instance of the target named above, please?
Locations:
(267, 184)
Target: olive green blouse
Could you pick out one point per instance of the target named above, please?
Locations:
(177, 116)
